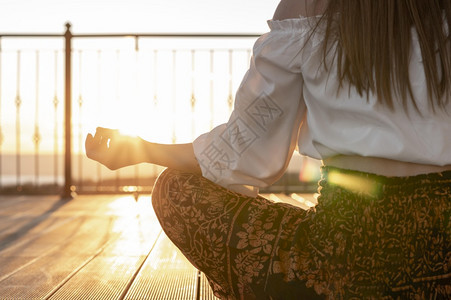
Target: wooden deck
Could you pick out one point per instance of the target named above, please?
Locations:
(92, 247)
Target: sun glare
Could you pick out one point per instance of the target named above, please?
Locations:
(134, 223)
(165, 96)
(354, 183)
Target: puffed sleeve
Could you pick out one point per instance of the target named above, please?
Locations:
(254, 147)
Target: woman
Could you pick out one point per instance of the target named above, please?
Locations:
(363, 85)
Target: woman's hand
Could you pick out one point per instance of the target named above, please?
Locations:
(113, 149)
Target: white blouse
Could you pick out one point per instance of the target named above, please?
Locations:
(287, 99)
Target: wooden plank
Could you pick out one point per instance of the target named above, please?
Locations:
(43, 258)
(205, 290)
(29, 205)
(109, 274)
(167, 274)
(19, 240)
(19, 256)
(19, 214)
(8, 201)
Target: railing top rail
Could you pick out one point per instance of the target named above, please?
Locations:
(29, 35)
(134, 35)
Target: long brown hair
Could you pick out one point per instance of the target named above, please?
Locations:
(373, 39)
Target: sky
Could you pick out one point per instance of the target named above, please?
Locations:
(136, 16)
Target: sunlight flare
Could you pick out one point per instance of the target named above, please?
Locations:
(354, 183)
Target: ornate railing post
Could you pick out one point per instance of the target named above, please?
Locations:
(18, 103)
(67, 189)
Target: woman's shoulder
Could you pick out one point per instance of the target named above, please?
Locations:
(291, 9)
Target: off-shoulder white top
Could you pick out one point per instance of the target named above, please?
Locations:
(287, 99)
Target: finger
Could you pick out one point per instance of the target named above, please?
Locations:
(101, 141)
(90, 145)
(107, 132)
(97, 138)
(89, 141)
(96, 143)
(94, 150)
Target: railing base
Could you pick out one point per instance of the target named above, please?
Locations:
(68, 194)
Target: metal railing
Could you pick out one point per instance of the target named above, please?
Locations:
(87, 69)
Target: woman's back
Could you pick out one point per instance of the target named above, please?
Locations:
(382, 95)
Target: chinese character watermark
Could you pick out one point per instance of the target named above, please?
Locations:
(239, 136)
(264, 110)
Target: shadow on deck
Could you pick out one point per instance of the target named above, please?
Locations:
(93, 247)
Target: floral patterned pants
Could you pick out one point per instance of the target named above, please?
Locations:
(369, 237)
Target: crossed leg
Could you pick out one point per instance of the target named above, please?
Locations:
(234, 239)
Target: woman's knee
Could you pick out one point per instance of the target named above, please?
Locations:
(159, 191)
(173, 191)
(163, 189)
